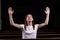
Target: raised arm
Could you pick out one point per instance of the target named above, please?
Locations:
(47, 12)
(10, 12)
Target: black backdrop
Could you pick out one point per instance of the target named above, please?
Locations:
(35, 7)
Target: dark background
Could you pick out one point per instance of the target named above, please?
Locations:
(35, 7)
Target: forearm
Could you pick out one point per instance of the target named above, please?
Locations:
(47, 19)
(11, 19)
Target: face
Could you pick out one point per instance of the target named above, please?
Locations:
(29, 17)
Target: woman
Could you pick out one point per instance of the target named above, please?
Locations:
(29, 29)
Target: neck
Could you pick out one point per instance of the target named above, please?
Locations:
(29, 23)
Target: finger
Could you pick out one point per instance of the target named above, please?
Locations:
(45, 11)
(10, 8)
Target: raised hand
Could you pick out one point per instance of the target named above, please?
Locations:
(10, 11)
(47, 10)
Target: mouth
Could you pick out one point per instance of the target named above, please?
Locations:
(30, 21)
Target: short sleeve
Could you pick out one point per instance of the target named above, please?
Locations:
(36, 26)
(22, 25)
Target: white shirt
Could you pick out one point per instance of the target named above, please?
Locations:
(29, 33)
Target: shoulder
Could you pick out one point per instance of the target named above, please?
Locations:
(36, 24)
(22, 25)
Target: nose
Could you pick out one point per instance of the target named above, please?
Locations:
(29, 17)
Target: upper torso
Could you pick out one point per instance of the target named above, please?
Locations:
(29, 32)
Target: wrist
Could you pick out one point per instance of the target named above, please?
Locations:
(10, 13)
(47, 13)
